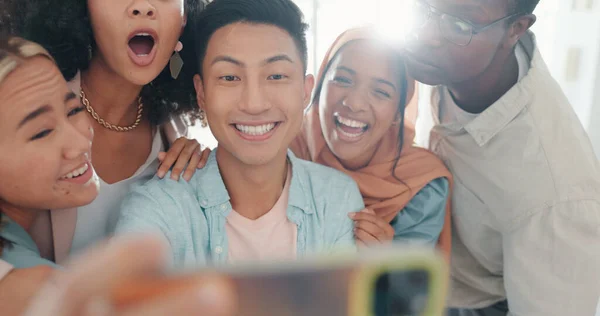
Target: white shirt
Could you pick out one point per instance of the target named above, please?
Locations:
(97, 220)
(450, 112)
(526, 201)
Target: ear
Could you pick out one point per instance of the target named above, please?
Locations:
(200, 96)
(519, 27)
(309, 84)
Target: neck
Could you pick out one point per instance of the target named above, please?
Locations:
(21, 216)
(476, 95)
(114, 98)
(253, 190)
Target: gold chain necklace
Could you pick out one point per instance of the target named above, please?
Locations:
(107, 125)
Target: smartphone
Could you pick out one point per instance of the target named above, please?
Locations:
(388, 281)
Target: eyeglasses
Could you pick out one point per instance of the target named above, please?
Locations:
(452, 28)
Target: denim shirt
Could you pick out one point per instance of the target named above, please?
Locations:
(192, 215)
(20, 250)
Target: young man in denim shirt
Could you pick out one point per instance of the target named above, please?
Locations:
(254, 200)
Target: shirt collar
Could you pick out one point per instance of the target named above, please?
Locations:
(495, 118)
(14, 233)
(209, 181)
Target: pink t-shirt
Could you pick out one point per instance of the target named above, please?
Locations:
(270, 237)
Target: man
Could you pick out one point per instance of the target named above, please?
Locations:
(526, 204)
(254, 200)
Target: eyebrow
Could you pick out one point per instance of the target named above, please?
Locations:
(385, 82)
(35, 114)
(281, 57)
(70, 96)
(270, 60)
(379, 80)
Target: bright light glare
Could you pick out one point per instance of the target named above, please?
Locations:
(395, 19)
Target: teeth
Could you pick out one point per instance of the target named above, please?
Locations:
(142, 34)
(255, 130)
(350, 123)
(350, 135)
(76, 173)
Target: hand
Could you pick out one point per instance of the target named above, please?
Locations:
(181, 152)
(19, 286)
(370, 229)
(85, 288)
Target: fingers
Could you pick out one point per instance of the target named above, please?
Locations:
(204, 158)
(189, 151)
(191, 167)
(213, 296)
(365, 237)
(170, 157)
(370, 216)
(96, 273)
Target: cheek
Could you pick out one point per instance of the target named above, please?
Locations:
(172, 22)
(27, 172)
(385, 114)
(83, 126)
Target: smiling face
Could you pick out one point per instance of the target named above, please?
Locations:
(254, 91)
(136, 38)
(359, 100)
(45, 138)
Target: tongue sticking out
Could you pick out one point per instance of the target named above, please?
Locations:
(141, 45)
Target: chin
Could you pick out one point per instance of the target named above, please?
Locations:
(141, 77)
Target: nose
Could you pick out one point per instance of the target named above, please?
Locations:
(78, 140)
(141, 8)
(356, 99)
(428, 34)
(254, 99)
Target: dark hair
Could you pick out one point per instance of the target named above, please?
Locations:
(63, 28)
(401, 102)
(524, 6)
(284, 14)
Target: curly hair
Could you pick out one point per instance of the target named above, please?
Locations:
(63, 27)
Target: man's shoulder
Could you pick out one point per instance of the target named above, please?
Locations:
(323, 177)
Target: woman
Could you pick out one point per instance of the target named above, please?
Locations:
(357, 124)
(45, 129)
(119, 58)
(116, 56)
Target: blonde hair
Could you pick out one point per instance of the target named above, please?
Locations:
(14, 51)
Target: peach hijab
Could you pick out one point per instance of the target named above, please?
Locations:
(382, 192)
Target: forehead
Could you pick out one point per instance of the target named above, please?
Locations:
(35, 82)
(367, 57)
(252, 43)
(489, 8)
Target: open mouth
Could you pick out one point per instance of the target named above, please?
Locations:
(349, 127)
(142, 44)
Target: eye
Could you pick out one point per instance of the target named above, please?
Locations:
(277, 77)
(342, 80)
(76, 111)
(41, 134)
(382, 93)
(230, 78)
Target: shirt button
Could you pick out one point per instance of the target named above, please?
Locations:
(223, 207)
(218, 250)
(204, 202)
